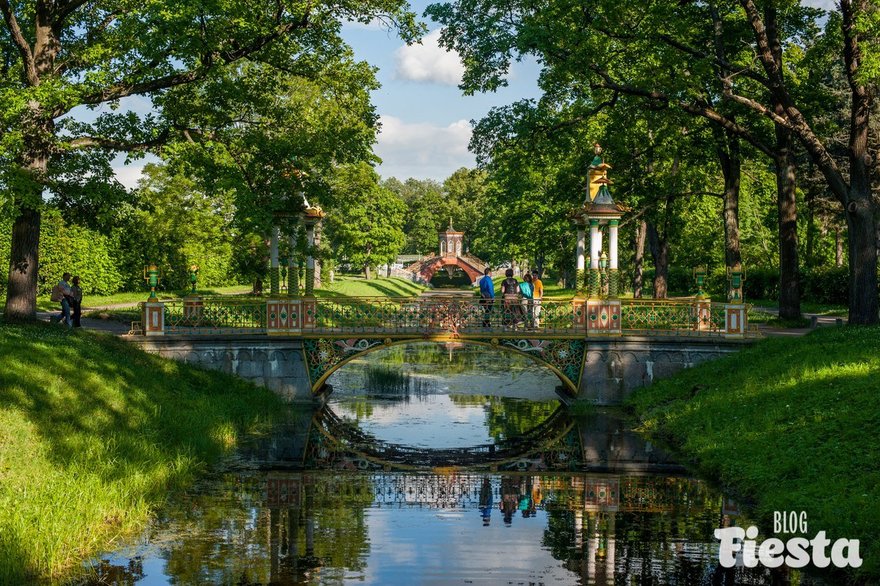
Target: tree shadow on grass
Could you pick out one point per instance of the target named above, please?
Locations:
(133, 423)
(788, 426)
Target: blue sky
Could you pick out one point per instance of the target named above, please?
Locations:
(426, 121)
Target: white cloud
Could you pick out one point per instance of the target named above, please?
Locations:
(129, 175)
(428, 62)
(823, 4)
(423, 150)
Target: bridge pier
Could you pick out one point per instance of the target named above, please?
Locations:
(275, 363)
(615, 367)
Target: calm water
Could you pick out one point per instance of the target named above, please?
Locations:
(372, 490)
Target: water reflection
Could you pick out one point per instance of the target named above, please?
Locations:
(430, 466)
(393, 528)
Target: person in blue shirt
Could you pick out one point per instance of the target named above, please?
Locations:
(487, 297)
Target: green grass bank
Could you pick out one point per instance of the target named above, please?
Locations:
(94, 434)
(790, 424)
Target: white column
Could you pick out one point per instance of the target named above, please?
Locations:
(273, 248)
(595, 244)
(580, 248)
(310, 236)
(612, 244)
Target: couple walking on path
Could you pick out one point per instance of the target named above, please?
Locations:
(521, 300)
(69, 294)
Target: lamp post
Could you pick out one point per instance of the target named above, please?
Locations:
(151, 276)
(193, 278)
(736, 277)
(700, 278)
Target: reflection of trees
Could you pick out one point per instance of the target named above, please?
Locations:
(508, 418)
(246, 533)
(454, 357)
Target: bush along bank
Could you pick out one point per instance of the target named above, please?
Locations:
(94, 433)
(790, 424)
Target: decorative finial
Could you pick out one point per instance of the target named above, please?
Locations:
(597, 148)
(450, 223)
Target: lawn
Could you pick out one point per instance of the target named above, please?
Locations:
(791, 424)
(354, 286)
(94, 433)
(90, 301)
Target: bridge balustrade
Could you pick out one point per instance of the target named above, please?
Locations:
(453, 316)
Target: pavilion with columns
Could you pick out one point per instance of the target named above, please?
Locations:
(600, 283)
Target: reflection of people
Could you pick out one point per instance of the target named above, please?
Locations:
(509, 499)
(486, 502)
(526, 505)
(487, 297)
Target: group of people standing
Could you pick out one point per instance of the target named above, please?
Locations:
(521, 300)
(69, 294)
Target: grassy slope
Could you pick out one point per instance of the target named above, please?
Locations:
(93, 433)
(351, 286)
(790, 424)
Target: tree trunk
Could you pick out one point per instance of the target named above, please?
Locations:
(786, 203)
(731, 169)
(838, 247)
(660, 254)
(367, 272)
(24, 265)
(786, 192)
(863, 302)
(638, 263)
(21, 293)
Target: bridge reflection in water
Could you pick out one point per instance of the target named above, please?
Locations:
(317, 503)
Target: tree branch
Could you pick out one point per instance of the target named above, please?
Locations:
(27, 55)
(691, 108)
(85, 142)
(65, 9)
(184, 77)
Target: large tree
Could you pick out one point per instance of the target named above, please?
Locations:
(61, 54)
(730, 63)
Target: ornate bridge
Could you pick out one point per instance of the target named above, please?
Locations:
(333, 331)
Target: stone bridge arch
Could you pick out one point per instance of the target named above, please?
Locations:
(564, 357)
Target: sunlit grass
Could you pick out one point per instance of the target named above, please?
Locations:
(791, 424)
(93, 435)
(353, 286)
(45, 304)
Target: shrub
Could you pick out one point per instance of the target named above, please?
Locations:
(67, 248)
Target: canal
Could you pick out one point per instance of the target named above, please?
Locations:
(440, 464)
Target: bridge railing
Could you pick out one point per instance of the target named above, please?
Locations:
(440, 315)
(215, 315)
(443, 315)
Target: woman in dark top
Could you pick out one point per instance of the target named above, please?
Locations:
(510, 290)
